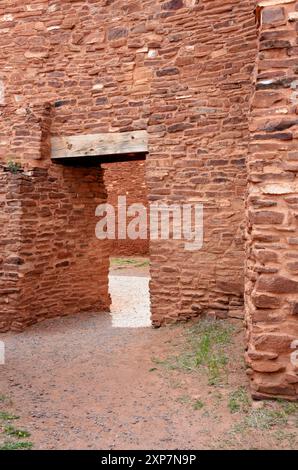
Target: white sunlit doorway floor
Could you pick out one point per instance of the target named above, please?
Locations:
(129, 289)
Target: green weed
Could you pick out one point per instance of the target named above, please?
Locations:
(19, 433)
(16, 446)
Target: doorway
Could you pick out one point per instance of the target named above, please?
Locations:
(129, 276)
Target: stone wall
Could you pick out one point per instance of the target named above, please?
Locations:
(126, 179)
(184, 70)
(180, 69)
(85, 59)
(52, 263)
(198, 129)
(10, 214)
(272, 205)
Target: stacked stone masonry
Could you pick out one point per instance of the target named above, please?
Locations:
(214, 84)
(126, 179)
(272, 204)
(52, 264)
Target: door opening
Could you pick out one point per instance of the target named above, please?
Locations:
(129, 275)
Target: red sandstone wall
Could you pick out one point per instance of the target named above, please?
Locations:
(52, 262)
(65, 266)
(10, 214)
(126, 179)
(198, 129)
(180, 69)
(86, 59)
(272, 245)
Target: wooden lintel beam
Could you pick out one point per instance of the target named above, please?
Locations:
(91, 145)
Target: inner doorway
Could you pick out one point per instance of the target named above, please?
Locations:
(129, 258)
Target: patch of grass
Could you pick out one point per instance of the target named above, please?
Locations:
(184, 399)
(265, 419)
(11, 437)
(216, 365)
(7, 416)
(289, 437)
(19, 433)
(16, 446)
(272, 416)
(124, 262)
(198, 405)
(158, 361)
(174, 383)
(239, 401)
(144, 263)
(288, 407)
(268, 427)
(185, 361)
(13, 167)
(166, 363)
(207, 341)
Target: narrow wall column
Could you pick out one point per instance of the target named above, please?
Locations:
(10, 236)
(271, 289)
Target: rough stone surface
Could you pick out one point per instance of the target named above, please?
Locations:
(184, 74)
(52, 263)
(220, 107)
(198, 143)
(271, 286)
(126, 179)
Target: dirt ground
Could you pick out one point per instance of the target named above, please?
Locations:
(80, 383)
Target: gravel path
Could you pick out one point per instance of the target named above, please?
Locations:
(101, 381)
(80, 383)
(77, 382)
(130, 301)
